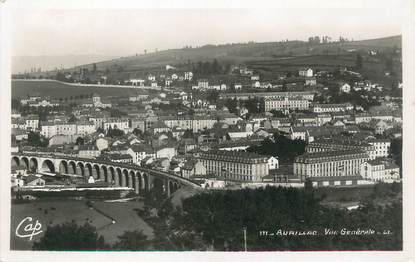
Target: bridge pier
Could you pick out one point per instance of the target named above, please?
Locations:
(94, 173)
(123, 180)
(79, 171)
(130, 181)
(108, 177)
(167, 187)
(137, 185)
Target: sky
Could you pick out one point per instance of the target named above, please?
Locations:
(122, 32)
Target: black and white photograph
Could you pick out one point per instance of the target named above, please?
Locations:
(216, 129)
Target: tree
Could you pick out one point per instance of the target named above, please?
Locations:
(60, 76)
(232, 105)
(72, 119)
(94, 67)
(138, 132)
(132, 240)
(217, 217)
(36, 140)
(114, 132)
(396, 151)
(15, 104)
(215, 68)
(80, 141)
(100, 130)
(308, 187)
(188, 134)
(212, 96)
(282, 147)
(116, 113)
(359, 61)
(389, 64)
(70, 236)
(278, 113)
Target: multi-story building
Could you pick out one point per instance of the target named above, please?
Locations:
(118, 123)
(287, 103)
(194, 123)
(309, 95)
(32, 122)
(66, 129)
(50, 128)
(85, 128)
(329, 164)
(324, 145)
(188, 75)
(88, 151)
(362, 118)
(323, 118)
(381, 147)
(139, 123)
(305, 72)
(310, 81)
(203, 84)
(238, 166)
(380, 170)
(139, 152)
(328, 108)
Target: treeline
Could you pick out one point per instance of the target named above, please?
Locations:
(219, 217)
(210, 68)
(215, 221)
(253, 105)
(358, 98)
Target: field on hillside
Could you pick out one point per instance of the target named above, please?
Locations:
(235, 53)
(59, 90)
(372, 69)
(317, 62)
(56, 212)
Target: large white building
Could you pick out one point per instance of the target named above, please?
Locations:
(32, 122)
(139, 152)
(238, 166)
(137, 82)
(331, 108)
(305, 72)
(116, 123)
(85, 128)
(188, 75)
(193, 123)
(49, 129)
(380, 170)
(381, 147)
(329, 164)
(287, 103)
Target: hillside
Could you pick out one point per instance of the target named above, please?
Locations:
(385, 42)
(236, 53)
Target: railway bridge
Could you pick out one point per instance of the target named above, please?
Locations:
(118, 174)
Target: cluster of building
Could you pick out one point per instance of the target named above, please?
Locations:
(164, 79)
(194, 139)
(345, 161)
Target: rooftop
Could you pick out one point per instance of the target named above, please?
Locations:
(232, 156)
(331, 154)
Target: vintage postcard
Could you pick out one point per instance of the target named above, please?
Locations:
(140, 127)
